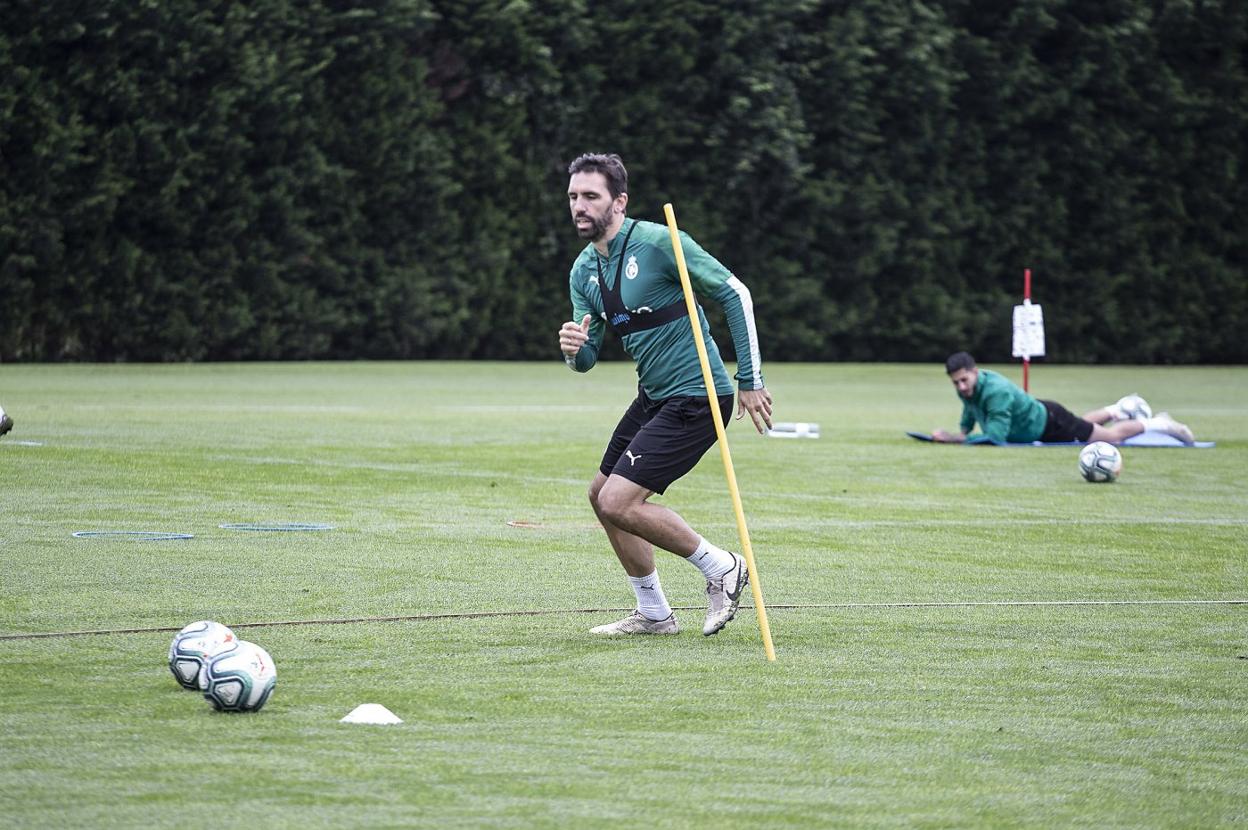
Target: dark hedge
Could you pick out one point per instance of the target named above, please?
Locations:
(291, 179)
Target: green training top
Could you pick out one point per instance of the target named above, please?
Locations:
(666, 356)
(1006, 413)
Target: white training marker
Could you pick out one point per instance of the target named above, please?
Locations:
(794, 430)
(371, 713)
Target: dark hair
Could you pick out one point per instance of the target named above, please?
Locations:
(609, 165)
(959, 360)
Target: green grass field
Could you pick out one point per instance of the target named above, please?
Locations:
(966, 637)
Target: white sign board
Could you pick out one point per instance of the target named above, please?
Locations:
(1028, 330)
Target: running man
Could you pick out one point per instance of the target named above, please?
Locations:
(1007, 414)
(626, 279)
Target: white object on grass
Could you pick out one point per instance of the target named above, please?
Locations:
(239, 678)
(1100, 462)
(1132, 408)
(793, 430)
(194, 646)
(371, 713)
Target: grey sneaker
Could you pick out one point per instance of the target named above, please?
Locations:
(724, 595)
(6, 423)
(635, 623)
(1173, 427)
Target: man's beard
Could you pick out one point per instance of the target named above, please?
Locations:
(596, 230)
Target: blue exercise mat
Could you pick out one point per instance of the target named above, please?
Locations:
(1148, 438)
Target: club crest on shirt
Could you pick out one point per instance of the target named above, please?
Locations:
(631, 270)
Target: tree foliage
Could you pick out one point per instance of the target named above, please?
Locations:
(289, 179)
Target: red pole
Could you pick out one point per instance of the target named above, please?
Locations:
(1026, 298)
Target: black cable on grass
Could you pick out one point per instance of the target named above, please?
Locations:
(288, 527)
(134, 535)
(475, 615)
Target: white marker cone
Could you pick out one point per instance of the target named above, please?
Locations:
(371, 713)
(791, 430)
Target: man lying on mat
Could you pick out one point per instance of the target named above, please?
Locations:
(1007, 414)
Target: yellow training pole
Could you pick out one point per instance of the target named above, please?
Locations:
(709, 379)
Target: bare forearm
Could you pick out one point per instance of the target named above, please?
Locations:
(948, 437)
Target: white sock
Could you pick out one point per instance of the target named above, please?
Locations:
(1157, 423)
(650, 599)
(711, 561)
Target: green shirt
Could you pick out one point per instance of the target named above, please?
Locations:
(666, 356)
(1006, 413)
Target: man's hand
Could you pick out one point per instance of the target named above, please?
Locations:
(757, 402)
(572, 336)
(946, 437)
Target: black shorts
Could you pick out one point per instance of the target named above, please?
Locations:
(657, 442)
(1063, 426)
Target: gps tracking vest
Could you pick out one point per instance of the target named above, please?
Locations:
(620, 319)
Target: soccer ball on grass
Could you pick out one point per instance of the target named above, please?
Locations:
(1134, 408)
(1100, 461)
(191, 648)
(240, 678)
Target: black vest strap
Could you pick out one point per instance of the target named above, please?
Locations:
(620, 319)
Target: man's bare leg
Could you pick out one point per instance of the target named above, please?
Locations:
(1100, 416)
(1115, 433)
(636, 555)
(635, 526)
(1118, 431)
(653, 614)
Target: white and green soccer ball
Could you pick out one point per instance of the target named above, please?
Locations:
(1100, 462)
(191, 648)
(1134, 408)
(239, 678)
